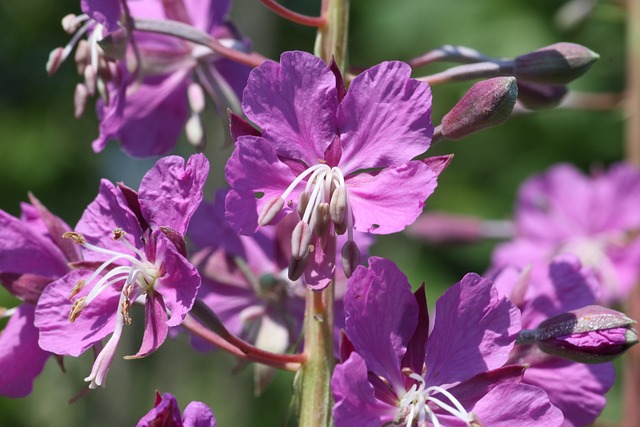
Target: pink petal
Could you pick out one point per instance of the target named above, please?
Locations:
(389, 201)
(171, 191)
(385, 119)
(294, 103)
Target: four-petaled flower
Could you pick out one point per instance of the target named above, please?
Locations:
(341, 159)
(134, 251)
(395, 371)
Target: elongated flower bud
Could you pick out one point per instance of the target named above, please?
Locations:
(559, 63)
(591, 334)
(536, 96)
(488, 103)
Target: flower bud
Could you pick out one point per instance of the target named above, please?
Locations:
(535, 96)
(559, 63)
(591, 334)
(488, 103)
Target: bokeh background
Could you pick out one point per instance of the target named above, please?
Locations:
(43, 149)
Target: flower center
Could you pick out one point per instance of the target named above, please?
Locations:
(416, 406)
(324, 201)
(139, 274)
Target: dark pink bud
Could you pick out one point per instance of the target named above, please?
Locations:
(536, 96)
(488, 103)
(591, 334)
(559, 63)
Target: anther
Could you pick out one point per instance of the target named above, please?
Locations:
(303, 202)
(300, 239)
(321, 219)
(80, 97)
(54, 61)
(118, 233)
(76, 237)
(76, 288)
(76, 309)
(270, 210)
(297, 267)
(350, 257)
(338, 205)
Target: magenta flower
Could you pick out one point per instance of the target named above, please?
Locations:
(596, 218)
(166, 413)
(564, 285)
(32, 255)
(134, 252)
(395, 371)
(343, 161)
(149, 117)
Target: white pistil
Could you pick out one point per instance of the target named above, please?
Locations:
(414, 405)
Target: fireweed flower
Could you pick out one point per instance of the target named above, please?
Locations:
(152, 91)
(133, 252)
(543, 292)
(32, 255)
(166, 413)
(341, 161)
(245, 281)
(596, 218)
(395, 371)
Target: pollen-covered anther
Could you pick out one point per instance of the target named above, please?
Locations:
(76, 288)
(76, 309)
(76, 237)
(270, 210)
(118, 233)
(124, 309)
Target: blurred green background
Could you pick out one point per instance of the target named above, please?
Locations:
(43, 149)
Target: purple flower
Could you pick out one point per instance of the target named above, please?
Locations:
(32, 255)
(395, 371)
(543, 292)
(245, 282)
(148, 114)
(146, 107)
(165, 413)
(596, 218)
(133, 252)
(343, 162)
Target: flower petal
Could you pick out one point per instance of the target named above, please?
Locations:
(385, 119)
(255, 168)
(474, 331)
(381, 317)
(21, 358)
(57, 334)
(389, 201)
(155, 326)
(197, 414)
(105, 12)
(294, 103)
(171, 191)
(356, 405)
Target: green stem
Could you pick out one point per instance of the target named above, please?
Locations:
(331, 41)
(316, 402)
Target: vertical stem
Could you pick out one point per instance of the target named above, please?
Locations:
(332, 37)
(315, 399)
(631, 363)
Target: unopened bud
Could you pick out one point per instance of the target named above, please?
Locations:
(80, 97)
(536, 96)
(54, 61)
(350, 257)
(559, 63)
(300, 240)
(270, 210)
(488, 103)
(591, 334)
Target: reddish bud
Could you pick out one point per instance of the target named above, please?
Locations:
(558, 64)
(488, 103)
(536, 96)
